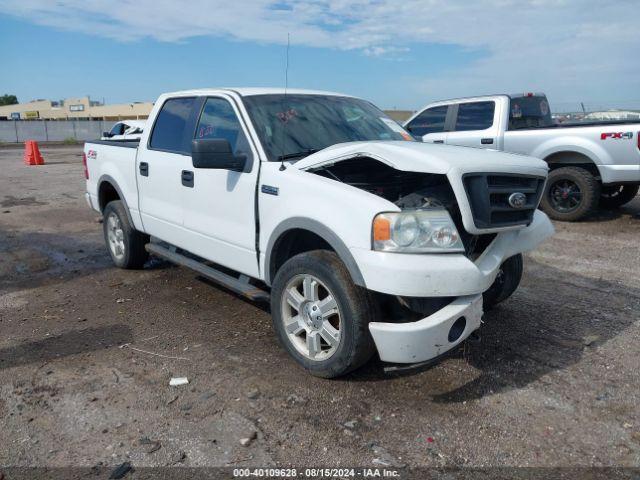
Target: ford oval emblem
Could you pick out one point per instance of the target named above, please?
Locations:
(517, 200)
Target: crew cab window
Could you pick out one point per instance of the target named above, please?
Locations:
(218, 120)
(475, 116)
(430, 121)
(117, 129)
(169, 130)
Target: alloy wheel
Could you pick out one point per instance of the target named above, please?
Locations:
(115, 236)
(311, 316)
(565, 195)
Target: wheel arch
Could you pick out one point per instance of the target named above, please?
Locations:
(569, 158)
(108, 191)
(299, 234)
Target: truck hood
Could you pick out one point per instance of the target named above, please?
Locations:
(426, 157)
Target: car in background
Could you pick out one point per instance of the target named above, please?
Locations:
(125, 130)
(592, 164)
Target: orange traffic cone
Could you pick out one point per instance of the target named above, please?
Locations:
(29, 157)
(32, 155)
(37, 154)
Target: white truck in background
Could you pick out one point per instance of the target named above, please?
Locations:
(362, 239)
(591, 164)
(125, 130)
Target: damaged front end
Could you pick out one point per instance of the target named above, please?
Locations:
(415, 328)
(430, 297)
(407, 190)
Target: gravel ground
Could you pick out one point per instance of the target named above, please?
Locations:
(87, 351)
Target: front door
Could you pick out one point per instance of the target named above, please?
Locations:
(219, 207)
(429, 126)
(475, 124)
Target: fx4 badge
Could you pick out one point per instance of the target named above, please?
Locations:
(627, 135)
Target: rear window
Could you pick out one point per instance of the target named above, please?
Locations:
(430, 121)
(529, 112)
(168, 132)
(475, 116)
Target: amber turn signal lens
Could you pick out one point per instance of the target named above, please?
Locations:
(381, 229)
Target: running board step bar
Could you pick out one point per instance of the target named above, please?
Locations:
(240, 285)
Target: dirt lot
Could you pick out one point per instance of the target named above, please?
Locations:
(553, 380)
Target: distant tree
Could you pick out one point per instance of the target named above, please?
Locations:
(8, 99)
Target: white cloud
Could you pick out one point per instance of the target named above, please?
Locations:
(575, 48)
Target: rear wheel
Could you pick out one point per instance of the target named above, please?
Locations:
(320, 316)
(506, 282)
(614, 196)
(125, 243)
(571, 193)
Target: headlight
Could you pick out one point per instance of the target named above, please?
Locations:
(416, 231)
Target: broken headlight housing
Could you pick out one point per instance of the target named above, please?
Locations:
(416, 231)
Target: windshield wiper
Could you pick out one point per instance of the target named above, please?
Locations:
(302, 153)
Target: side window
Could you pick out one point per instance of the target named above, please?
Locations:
(218, 120)
(117, 129)
(430, 121)
(475, 116)
(168, 131)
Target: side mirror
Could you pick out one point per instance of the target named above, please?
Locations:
(216, 153)
(107, 134)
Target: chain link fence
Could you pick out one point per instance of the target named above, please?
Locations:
(16, 131)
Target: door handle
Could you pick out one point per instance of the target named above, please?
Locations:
(144, 169)
(486, 141)
(438, 141)
(187, 178)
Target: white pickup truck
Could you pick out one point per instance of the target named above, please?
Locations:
(362, 238)
(592, 164)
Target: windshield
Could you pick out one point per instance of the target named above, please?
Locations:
(294, 126)
(529, 112)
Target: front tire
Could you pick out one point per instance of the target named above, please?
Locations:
(124, 243)
(614, 196)
(320, 316)
(571, 194)
(506, 282)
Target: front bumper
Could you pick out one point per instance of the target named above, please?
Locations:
(450, 275)
(447, 274)
(432, 336)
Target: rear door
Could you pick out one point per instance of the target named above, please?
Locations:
(219, 205)
(475, 124)
(159, 169)
(429, 125)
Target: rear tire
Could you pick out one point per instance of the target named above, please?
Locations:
(571, 194)
(299, 300)
(124, 243)
(506, 282)
(614, 196)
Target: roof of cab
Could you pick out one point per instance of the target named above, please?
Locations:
(247, 92)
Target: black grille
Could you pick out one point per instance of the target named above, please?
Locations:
(488, 195)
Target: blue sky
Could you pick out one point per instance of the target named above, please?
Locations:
(55, 64)
(398, 55)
